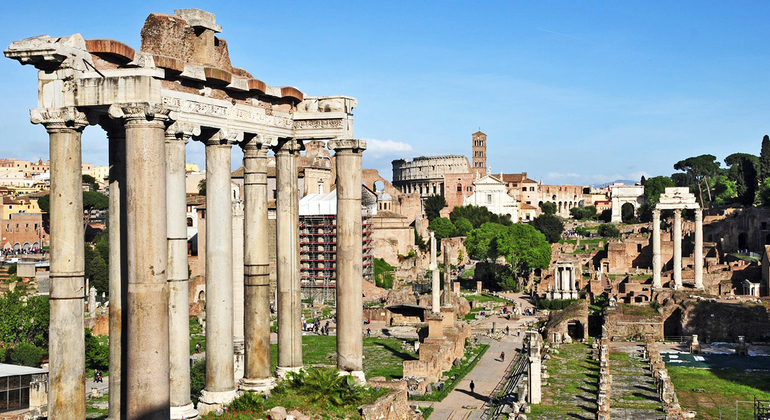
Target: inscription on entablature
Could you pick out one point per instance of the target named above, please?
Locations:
(318, 124)
(228, 112)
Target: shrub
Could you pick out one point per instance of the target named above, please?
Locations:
(608, 230)
(198, 379)
(27, 354)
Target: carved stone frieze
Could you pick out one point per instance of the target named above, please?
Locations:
(324, 104)
(337, 123)
(227, 112)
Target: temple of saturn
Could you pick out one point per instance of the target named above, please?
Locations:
(180, 86)
(677, 199)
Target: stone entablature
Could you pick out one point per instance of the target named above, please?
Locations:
(426, 174)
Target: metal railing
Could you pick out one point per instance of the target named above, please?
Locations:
(503, 392)
(761, 409)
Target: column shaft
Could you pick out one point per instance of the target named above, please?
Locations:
(220, 378)
(656, 266)
(118, 267)
(349, 256)
(147, 361)
(677, 275)
(287, 258)
(66, 397)
(256, 269)
(435, 281)
(178, 286)
(447, 296)
(698, 252)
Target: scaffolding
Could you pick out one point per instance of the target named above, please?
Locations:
(318, 255)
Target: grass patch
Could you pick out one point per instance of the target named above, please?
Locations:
(642, 310)
(572, 387)
(457, 373)
(485, 298)
(723, 386)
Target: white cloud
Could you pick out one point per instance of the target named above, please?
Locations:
(381, 148)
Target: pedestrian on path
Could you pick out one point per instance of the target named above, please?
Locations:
(502, 356)
(472, 386)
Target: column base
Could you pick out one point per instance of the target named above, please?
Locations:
(261, 386)
(187, 412)
(281, 371)
(214, 400)
(699, 287)
(358, 374)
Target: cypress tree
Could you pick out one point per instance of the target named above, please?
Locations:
(764, 159)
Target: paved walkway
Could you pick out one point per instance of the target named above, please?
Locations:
(463, 404)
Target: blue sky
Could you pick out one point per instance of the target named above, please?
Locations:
(570, 92)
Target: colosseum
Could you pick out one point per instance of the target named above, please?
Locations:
(425, 174)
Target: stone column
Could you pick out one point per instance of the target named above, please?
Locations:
(350, 317)
(446, 298)
(67, 390)
(147, 388)
(118, 263)
(656, 266)
(178, 285)
(220, 375)
(533, 376)
(698, 252)
(287, 257)
(256, 280)
(677, 274)
(435, 284)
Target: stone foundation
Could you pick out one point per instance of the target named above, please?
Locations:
(393, 406)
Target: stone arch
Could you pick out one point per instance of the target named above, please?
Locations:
(26, 246)
(378, 185)
(743, 240)
(201, 297)
(576, 329)
(17, 246)
(627, 207)
(672, 326)
(36, 245)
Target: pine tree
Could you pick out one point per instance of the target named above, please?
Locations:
(764, 159)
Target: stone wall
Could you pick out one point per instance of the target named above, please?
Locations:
(393, 406)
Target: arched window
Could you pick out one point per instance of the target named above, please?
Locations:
(189, 222)
(459, 188)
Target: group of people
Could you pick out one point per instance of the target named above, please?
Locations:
(315, 327)
(98, 376)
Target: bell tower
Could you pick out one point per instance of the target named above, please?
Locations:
(479, 153)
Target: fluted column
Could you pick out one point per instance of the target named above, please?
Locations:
(350, 317)
(256, 374)
(147, 386)
(656, 266)
(178, 282)
(220, 373)
(287, 257)
(67, 388)
(677, 275)
(116, 134)
(435, 283)
(698, 252)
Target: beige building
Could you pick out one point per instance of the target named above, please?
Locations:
(492, 193)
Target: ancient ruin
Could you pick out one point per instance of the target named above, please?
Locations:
(181, 85)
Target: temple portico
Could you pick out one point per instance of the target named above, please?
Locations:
(677, 199)
(565, 286)
(151, 102)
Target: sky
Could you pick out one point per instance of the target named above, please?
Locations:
(570, 92)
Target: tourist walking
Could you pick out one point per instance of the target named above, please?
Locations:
(472, 386)
(502, 356)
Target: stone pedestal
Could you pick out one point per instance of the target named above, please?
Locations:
(478, 287)
(446, 298)
(698, 251)
(534, 372)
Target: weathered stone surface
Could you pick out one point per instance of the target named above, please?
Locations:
(393, 406)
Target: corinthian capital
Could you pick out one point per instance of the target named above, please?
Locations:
(354, 145)
(132, 111)
(289, 145)
(223, 136)
(59, 118)
(259, 142)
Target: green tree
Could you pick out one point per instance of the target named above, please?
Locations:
(442, 228)
(608, 230)
(23, 318)
(96, 270)
(478, 215)
(463, 226)
(548, 207)
(44, 203)
(653, 188)
(699, 168)
(97, 352)
(91, 182)
(724, 189)
(383, 273)
(202, 187)
(549, 225)
(27, 355)
(433, 205)
(743, 171)
(583, 213)
(522, 246)
(764, 159)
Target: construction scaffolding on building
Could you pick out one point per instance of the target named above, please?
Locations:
(318, 246)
